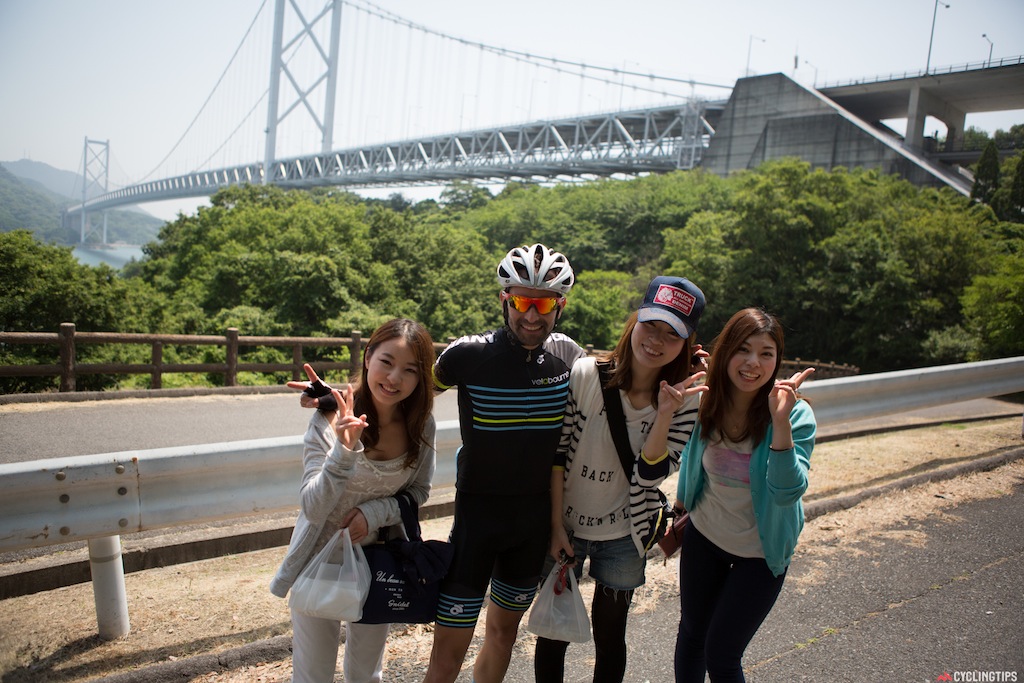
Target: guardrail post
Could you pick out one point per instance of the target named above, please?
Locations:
(297, 373)
(231, 375)
(157, 358)
(355, 354)
(67, 356)
(108, 589)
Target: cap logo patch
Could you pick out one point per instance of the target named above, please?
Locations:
(676, 298)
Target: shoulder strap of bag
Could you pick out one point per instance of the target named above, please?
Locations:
(410, 515)
(616, 417)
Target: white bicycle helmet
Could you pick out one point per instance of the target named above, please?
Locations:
(536, 267)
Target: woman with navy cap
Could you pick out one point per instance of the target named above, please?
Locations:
(600, 508)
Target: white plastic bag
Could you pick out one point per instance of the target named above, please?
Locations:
(329, 589)
(558, 613)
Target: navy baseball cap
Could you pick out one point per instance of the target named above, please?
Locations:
(673, 300)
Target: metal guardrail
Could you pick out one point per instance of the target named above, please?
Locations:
(933, 71)
(98, 497)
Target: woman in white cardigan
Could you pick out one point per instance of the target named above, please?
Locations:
(379, 441)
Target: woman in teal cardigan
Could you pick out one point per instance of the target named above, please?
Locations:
(742, 477)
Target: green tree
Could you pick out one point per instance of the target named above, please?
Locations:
(1008, 200)
(994, 309)
(599, 305)
(45, 286)
(975, 138)
(1010, 139)
(1016, 204)
(986, 177)
(463, 194)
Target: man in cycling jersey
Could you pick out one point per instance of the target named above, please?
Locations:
(512, 384)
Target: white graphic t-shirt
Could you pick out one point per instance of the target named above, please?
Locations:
(725, 514)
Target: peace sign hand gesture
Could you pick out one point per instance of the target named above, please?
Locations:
(347, 426)
(783, 395)
(313, 390)
(672, 396)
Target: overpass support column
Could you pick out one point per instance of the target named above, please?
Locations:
(916, 114)
(955, 122)
(923, 103)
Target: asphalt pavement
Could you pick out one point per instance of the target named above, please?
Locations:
(950, 600)
(890, 611)
(905, 601)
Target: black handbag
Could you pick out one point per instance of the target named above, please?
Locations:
(405, 575)
(617, 426)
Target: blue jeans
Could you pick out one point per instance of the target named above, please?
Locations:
(724, 599)
(618, 569)
(616, 563)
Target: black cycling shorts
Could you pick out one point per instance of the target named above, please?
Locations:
(501, 540)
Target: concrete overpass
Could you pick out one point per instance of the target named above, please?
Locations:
(770, 117)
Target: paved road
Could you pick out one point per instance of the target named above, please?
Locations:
(909, 603)
(37, 431)
(904, 604)
(906, 599)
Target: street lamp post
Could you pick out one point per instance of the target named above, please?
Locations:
(990, 46)
(935, 11)
(815, 72)
(750, 44)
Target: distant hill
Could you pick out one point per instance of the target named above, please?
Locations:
(33, 195)
(66, 184)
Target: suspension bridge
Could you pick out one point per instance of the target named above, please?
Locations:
(369, 114)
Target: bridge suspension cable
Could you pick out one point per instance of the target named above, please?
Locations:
(537, 60)
(430, 79)
(209, 97)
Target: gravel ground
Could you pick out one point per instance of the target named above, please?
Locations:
(215, 622)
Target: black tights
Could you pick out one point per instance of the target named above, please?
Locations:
(608, 624)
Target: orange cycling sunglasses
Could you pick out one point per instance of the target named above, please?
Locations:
(544, 305)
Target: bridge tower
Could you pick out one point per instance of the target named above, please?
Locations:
(328, 77)
(95, 162)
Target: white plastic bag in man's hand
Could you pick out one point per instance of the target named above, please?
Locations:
(558, 613)
(329, 590)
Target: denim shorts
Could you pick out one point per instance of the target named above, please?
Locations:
(615, 563)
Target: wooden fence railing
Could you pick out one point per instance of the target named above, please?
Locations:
(68, 369)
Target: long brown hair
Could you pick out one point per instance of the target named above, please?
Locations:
(714, 403)
(621, 358)
(418, 405)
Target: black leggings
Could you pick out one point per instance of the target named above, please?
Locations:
(608, 617)
(724, 600)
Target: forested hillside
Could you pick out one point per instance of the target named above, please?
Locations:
(861, 267)
(30, 205)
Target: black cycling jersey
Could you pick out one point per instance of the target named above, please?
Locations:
(511, 403)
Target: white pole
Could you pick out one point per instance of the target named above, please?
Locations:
(108, 587)
(276, 64)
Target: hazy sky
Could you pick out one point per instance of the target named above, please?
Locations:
(137, 72)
